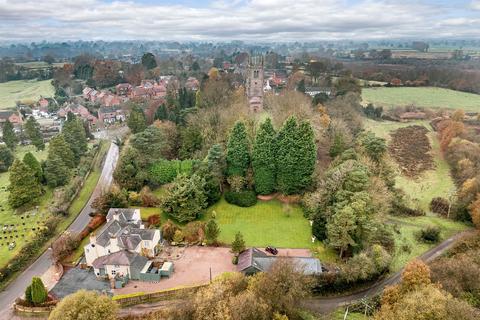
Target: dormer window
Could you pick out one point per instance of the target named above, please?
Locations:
(255, 73)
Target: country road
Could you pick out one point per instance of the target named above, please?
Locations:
(41, 265)
(327, 304)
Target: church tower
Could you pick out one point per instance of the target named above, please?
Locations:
(254, 83)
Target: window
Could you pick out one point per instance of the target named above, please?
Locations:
(114, 272)
(98, 273)
(255, 73)
(108, 250)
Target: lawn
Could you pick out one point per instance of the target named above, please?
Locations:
(23, 223)
(432, 183)
(34, 218)
(429, 97)
(406, 244)
(24, 90)
(266, 223)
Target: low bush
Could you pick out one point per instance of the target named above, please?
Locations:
(245, 198)
(194, 232)
(154, 220)
(440, 205)
(430, 234)
(168, 230)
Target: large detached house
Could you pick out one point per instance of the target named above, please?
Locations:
(123, 246)
(254, 260)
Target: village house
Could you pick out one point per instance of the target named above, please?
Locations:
(123, 89)
(110, 115)
(80, 111)
(13, 116)
(192, 84)
(254, 260)
(122, 244)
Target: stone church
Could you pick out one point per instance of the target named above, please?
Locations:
(254, 83)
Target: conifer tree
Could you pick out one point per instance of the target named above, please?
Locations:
(6, 158)
(238, 245)
(238, 157)
(58, 147)
(32, 162)
(75, 136)
(32, 130)
(24, 187)
(136, 121)
(263, 159)
(39, 293)
(56, 172)
(296, 155)
(9, 136)
(211, 231)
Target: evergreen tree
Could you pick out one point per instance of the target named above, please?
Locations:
(296, 156)
(341, 228)
(32, 130)
(301, 86)
(56, 172)
(6, 158)
(263, 158)
(185, 198)
(24, 187)
(28, 294)
(136, 121)
(238, 157)
(211, 231)
(9, 136)
(148, 61)
(307, 154)
(75, 136)
(39, 293)
(58, 147)
(338, 145)
(198, 99)
(319, 227)
(161, 113)
(32, 162)
(238, 245)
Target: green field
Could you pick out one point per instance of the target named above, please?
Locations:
(408, 228)
(25, 91)
(428, 97)
(39, 64)
(35, 218)
(23, 223)
(432, 183)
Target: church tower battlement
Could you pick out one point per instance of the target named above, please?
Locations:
(254, 83)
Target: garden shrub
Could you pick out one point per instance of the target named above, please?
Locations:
(168, 230)
(134, 198)
(430, 234)
(148, 198)
(154, 220)
(178, 236)
(194, 232)
(38, 291)
(245, 198)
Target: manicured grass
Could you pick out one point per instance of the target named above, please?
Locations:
(25, 91)
(432, 183)
(429, 97)
(9, 216)
(407, 238)
(266, 223)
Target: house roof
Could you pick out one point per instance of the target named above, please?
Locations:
(262, 262)
(121, 258)
(125, 214)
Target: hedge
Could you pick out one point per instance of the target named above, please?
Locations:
(245, 198)
(165, 171)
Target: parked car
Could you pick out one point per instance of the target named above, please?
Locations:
(272, 250)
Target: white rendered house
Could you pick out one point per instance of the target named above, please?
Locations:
(123, 231)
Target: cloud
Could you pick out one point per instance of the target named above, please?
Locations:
(475, 4)
(255, 20)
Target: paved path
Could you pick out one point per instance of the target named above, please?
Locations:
(41, 265)
(326, 305)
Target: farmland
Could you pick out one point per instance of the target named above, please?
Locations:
(428, 97)
(23, 90)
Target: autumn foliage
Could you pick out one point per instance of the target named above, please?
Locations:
(447, 130)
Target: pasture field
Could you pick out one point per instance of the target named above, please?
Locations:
(431, 183)
(39, 64)
(428, 97)
(25, 91)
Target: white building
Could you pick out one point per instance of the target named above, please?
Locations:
(123, 238)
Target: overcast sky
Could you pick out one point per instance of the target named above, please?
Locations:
(255, 20)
